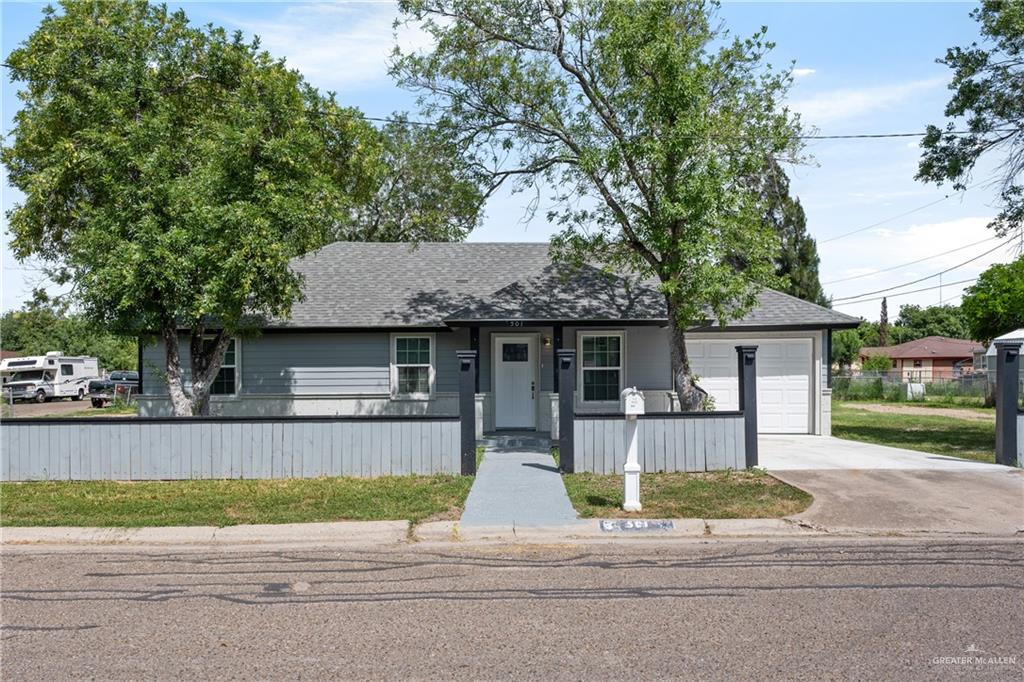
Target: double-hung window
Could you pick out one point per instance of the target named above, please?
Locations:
(412, 373)
(601, 366)
(225, 383)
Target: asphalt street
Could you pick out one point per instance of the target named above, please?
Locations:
(821, 609)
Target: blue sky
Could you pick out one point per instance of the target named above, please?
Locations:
(862, 68)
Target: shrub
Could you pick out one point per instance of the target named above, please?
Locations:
(877, 363)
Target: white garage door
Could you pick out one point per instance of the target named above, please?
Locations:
(784, 370)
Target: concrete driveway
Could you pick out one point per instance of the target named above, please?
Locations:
(785, 453)
(865, 488)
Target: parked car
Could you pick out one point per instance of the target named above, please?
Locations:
(44, 377)
(121, 384)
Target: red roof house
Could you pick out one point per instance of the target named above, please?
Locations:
(933, 357)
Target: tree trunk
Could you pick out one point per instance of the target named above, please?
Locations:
(181, 403)
(207, 357)
(691, 396)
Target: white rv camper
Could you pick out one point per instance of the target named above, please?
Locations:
(44, 377)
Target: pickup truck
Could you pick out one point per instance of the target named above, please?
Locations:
(118, 385)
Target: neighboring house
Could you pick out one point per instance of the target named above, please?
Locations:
(928, 358)
(380, 323)
(985, 359)
(4, 354)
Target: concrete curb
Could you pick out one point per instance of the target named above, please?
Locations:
(341, 532)
(593, 529)
(396, 533)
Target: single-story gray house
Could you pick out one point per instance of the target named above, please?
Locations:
(380, 323)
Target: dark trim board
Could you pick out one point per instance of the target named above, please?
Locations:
(661, 415)
(516, 324)
(27, 421)
(772, 328)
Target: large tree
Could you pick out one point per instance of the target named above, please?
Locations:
(172, 172)
(988, 99)
(797, 261)
(44, 324)
(994, 305)
(430, 189)
(933, 320)
(653, 125)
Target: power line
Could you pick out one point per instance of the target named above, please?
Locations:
(913, 262)
(922, 279)
(851, 136)
(905, 293)
(901, 215)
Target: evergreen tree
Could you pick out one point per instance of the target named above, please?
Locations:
(797, 260)
(883, 324)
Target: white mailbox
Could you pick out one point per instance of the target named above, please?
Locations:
(632, 402)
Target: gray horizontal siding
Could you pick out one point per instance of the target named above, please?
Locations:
(295, 364)
(446, 364)
(137, 450)
(677, 443)
(316, 364)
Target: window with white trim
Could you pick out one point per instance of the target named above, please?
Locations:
(601, 366)
(226, 381)
(412, 366)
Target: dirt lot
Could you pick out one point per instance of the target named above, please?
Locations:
(954, 412)
(55, 408)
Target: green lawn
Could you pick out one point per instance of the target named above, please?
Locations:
(225, 503)
(713, 495)
(941, 434)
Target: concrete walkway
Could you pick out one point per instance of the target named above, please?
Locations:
(518, 485)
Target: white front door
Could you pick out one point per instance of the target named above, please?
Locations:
(515, 382)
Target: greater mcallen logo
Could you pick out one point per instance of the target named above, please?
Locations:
(974, 656)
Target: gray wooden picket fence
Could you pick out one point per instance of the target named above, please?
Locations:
(226, 447)
(673, 441)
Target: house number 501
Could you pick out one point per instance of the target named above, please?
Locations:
(515, 323)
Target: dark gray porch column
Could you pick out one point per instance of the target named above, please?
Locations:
(467, 409)
(1007, 399)
(566, 409)
(747, 375)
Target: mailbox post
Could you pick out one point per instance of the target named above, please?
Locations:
(632, 406)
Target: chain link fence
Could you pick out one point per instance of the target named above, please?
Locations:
(975, 389)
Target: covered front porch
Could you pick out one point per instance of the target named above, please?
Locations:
(517, 380)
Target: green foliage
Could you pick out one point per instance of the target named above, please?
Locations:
(43, 325)
(933, 320)
(988, 100)
(172, 172)
(914, 322)
(877, 363)
(994, 305)
(653, 126)
(846, 344)
(429, 191)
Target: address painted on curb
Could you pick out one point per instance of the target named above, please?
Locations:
(625, 525)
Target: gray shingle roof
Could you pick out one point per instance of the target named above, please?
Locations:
(358, 284)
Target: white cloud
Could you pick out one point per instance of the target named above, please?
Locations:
(886, 248)
(803, 73)
(336, 45)
(847, 103)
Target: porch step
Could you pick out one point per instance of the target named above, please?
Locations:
(516, 441)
